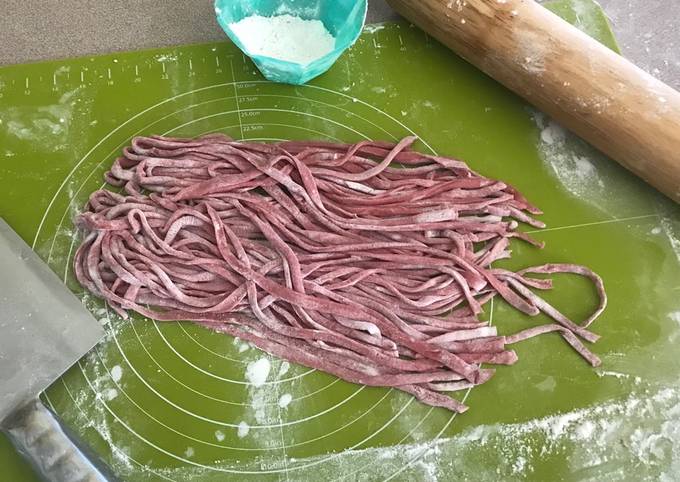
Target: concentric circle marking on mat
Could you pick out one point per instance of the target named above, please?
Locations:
(331, 106)
(179, 382)
(116, 416)
(273, 124)
(275, 139)
(259, 139)
(231, 380)
(70, 249)
(68, 176)
(122, 390)
(364, 413)
(114, 449)
(288, 111)
(202, 89)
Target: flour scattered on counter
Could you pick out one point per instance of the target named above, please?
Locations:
(635, 438)
(243, 429)
(519, 465)
(575, 172)
(166, 58)
(283, 369)
(670, 234)
(45, 127)
(585, 430)
(265, 410)
(548, 384)
(553, 133)
(621, 376)
(116, 373)
(258, 371)
(640, 433)
(285, 400)
(373, 28)
(284, 37)
(110, 394)
(607, 373)
(86, 410)
(263, 402)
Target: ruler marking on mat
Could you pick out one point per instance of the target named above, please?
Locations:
(238, 106)
(283, 442)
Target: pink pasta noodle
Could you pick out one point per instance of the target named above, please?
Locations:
(371, 261)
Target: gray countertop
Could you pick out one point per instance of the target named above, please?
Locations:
(648, 30)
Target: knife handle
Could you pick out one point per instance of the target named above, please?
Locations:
(38, 437)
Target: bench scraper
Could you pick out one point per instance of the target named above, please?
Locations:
(44, 329)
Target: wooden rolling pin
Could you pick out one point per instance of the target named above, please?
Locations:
(616, 106)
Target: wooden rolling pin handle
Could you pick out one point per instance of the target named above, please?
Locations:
(617, 107)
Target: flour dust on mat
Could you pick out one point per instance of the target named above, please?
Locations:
(284, 37)
(631, 438)
(90, 403)
(257, 372)
(576, 171)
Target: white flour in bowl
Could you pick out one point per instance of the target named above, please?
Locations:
(284, 37)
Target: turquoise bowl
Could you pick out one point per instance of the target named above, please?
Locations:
(344, 19)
